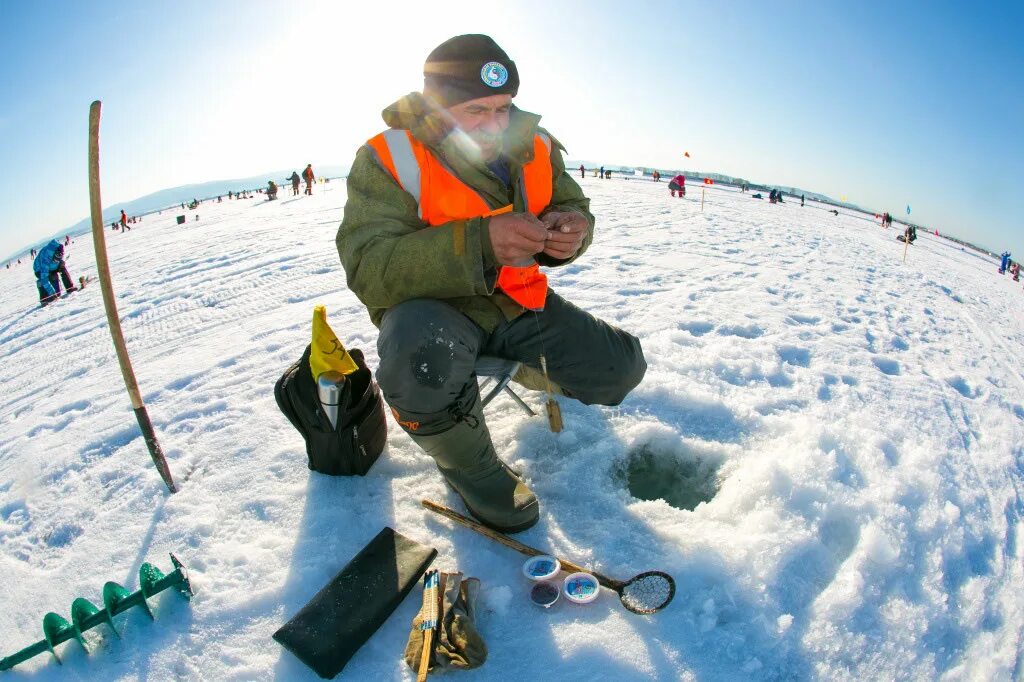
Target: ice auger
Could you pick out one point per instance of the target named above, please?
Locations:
(116, 599)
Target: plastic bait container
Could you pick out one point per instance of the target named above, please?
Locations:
(541, 567)
(581, 588)
(544, 594)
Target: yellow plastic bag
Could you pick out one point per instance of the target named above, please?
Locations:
(327, 354)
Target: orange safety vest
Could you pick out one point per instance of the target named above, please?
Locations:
(442, 198)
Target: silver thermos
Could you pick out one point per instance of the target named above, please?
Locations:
(328, 389)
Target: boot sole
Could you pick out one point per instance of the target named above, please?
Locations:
(518, 528)
(503, 529)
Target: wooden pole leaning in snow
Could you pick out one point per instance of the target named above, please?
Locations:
(110, 304)
(906, 242)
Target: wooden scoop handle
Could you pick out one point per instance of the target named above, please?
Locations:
(516, 545)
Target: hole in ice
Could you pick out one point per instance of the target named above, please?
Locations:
(680, 477)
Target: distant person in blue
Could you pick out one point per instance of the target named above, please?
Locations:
(50, 270)
(1005, 262)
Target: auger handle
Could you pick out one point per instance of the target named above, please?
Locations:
(23, 655)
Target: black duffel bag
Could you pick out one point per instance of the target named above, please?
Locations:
(362, 429)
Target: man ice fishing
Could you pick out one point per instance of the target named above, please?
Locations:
(450, 214)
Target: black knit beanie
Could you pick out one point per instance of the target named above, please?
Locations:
(468, 67)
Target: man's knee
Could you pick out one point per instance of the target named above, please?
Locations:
(427, 353)
(611, 386)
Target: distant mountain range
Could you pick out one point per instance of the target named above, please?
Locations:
(167, 198)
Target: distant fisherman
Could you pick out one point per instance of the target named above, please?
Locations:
(50, 269)
(308, 175)
(678, 184)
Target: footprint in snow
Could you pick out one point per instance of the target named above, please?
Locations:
(792, 355)
(746, 332)
(697, 328)
(962, 387)
(886, 366)
(804, 319)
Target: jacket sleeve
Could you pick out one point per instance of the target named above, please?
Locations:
(566, 195)
(391, 256)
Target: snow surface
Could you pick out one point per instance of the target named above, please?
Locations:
(856, 423)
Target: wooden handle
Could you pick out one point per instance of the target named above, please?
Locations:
(428, 643)
(430, 615)
(554, 411)
(516, 545)
(110, 303)
(102, 264)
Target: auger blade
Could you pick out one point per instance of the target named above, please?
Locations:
(81, 611)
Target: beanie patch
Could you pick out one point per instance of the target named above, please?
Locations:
(494, 74)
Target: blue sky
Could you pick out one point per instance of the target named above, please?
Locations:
(887, 104)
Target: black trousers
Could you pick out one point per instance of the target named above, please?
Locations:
(428, 351)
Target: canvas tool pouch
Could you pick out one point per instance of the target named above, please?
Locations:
(341, 617)
(457, 642)
(356, 442)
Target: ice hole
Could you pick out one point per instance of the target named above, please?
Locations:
(681, 478)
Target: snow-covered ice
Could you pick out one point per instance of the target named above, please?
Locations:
(851, 429)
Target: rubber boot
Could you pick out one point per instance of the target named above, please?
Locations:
(490, 490)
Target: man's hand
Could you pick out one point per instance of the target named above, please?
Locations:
(516, 237)
(566, 232)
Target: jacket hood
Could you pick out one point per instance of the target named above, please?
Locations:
(432, 125)
(45, 256)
